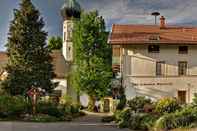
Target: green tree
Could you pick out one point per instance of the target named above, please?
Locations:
(92, 73)
(55, 43)
(29, 61)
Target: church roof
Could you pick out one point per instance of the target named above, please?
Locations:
(71, 8)
(58, 61)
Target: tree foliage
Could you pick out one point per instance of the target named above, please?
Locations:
(29, 61)
(92, 55)
(55, 43)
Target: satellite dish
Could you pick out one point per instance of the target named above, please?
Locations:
(155, 14)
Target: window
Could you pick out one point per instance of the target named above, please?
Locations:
(116, 52)
(182, 69)
(64, 36)
(183, 49)
(160, 68)
(182, 96)
(69, 52)
(69, 33)
(153, 48)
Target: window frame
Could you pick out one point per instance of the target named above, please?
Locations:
(182, 51)
(64, 36)
(159, 70)
(152, 50)
(182, 71)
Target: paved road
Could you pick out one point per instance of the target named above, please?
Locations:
(90, 122)
(19, 126)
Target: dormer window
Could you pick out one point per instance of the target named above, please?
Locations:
(153, 48)
(154, 38)
(183, 49)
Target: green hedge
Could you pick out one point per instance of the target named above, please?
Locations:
(127, 118)
(184, 118)
(166, 105)
(19, 108)
(50, 109)
(122, 117)
(12, 106)
(137, 103)
(142, 121)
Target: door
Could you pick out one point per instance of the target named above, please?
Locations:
(182, 96)
(106, 105)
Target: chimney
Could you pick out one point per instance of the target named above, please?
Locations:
(162, 22)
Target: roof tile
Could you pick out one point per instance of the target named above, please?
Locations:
(132, 34)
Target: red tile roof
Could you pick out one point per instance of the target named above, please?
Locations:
(140, 34)
(3, 56)
(59, 63)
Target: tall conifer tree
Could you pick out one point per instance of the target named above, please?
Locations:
(29, 61)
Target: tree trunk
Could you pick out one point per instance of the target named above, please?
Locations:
(91, 103)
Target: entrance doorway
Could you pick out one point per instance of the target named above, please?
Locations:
(106, 105)
(182, 96)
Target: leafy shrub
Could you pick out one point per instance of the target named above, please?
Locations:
(12, 106)
(183, 118)
(75, 108)
(69, 106)
(65, 99)
(70, 109)
(46, 118)
(137, 103)
(49, 109)
(141, 121)
(117, 115)
(167, 105)
(108, 119)
(122, 117)
(122, 103)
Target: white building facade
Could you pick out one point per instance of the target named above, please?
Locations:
(156, 61)
(159, 74)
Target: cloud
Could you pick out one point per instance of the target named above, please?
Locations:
(138, 11)
(182, 12)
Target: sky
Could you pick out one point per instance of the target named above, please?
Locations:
(177, 12)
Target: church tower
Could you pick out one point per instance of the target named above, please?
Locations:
(70, 11)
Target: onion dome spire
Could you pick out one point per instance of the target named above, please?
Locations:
(71, 8)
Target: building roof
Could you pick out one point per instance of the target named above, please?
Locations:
(3, 55)
(71, 8)
(141, 34)
(59, 63)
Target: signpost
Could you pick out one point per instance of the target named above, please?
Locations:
(33, 93)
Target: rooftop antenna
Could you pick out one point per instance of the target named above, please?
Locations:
(155, 14)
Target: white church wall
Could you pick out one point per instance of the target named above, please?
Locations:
(62, 85)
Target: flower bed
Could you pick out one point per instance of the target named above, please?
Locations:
(165, 114)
